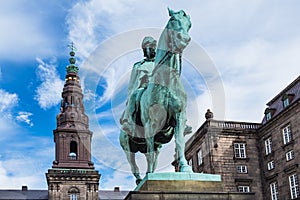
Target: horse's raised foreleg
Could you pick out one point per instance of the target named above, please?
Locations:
(180, 143)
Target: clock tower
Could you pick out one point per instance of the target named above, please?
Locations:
(73, 175)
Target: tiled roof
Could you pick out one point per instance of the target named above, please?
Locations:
(106, 194)
(43, 194)
(19, 194)
(276, 103)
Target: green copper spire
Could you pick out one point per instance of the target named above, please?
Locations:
(72, 67)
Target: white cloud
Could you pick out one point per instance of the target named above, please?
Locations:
(25, 117)
(15, 171)
(254, 72)
(28, 31)
(48, 94)
(7, 100)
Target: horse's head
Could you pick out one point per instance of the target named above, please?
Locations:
(177, 29)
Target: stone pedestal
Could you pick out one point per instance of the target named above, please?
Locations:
(180, 186)
(181, 182)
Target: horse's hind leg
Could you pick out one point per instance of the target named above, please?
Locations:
(124, 142)
(134, 168)
(155, 159)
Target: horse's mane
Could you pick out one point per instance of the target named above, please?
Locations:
(162, 47)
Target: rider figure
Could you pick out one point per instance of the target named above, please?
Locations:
(139, 79)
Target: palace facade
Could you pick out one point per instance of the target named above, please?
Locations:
(263, 158)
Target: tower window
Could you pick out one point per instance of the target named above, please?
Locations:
(73, 197)
(72, 101)
(73, 150)
(74, 193)
(200, 157)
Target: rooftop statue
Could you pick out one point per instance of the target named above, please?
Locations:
(156, 104)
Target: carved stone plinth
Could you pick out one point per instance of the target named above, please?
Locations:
(178, 185)
(181, 182)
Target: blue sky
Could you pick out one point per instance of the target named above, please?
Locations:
(241, 55)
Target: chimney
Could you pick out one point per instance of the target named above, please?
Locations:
(117, 189)
(24, 188)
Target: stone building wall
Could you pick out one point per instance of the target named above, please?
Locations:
(282, 168)
(216, 140)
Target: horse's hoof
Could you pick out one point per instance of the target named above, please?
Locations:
(137, 181)
(186, 168)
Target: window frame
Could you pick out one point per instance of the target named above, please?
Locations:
(268, 116)
(200, 157)
(268, 146)
(242, 169)
(286, 102)
(73, 196)
(271, 166)
(287, 134)
(274, 191)
(290, 155)
(240, 151)
(243, 188)
(294, 186)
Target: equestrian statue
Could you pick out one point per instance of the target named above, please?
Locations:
(156, 103)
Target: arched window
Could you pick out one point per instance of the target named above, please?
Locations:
(74, 193)
(72, 101)
(73, 196)
(73, 150)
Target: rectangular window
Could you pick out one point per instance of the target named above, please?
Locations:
(190, 162)
(268, 116)
(286, 102)
(287, 134)
(200, 157)
(290, 155)
(274, 191)
(240, 150)
(242, 169)
(268, 145)
(271, 165)
(294, 186)
(243, 188)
